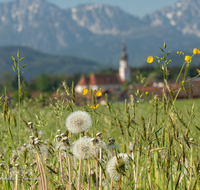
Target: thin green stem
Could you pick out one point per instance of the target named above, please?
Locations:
(19, 83)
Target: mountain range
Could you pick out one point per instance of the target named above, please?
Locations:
(96, 32)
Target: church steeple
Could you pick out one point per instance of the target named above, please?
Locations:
(124, 70)
(124, 55)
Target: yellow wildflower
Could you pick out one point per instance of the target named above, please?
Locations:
(183, 82)
(147, 93)
(188, 58)
(94, 106)
(85, 91)
(198, 71)
(150, 59)
(196, 51)
(178, 52)
(99, 93)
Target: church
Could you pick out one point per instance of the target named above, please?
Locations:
(107, 82)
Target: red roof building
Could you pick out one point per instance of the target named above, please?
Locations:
(107, 81)
(97, 81)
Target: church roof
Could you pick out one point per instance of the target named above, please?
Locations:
(101, 79)
(83, 81)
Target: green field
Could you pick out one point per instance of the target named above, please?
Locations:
(164, 153)
(148, 144)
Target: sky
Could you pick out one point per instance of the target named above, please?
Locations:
(137, 8)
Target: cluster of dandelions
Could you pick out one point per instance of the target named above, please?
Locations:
(87, 148)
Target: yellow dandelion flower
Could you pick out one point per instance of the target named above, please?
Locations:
(178, 52)
(198, 71)
(99, 93)
(188, 58)
(94, 106)
(196, 51)
(150, 59)
(147, 93)
(85, 91)
(183, 82)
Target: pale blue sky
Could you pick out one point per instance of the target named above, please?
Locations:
(135, 7)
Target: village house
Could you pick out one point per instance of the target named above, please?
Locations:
(107, 82)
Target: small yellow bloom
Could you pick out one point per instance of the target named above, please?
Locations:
(150, 59)
(85, 91)
(94, 106)
(183, 82)
(196, 51)
(147, 93)
(198, 71)
(178, 52)
(99, 93)
(188, 58)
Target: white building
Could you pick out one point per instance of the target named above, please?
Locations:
(107, 81)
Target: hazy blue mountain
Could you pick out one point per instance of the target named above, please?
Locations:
(38, 62)
(96, 31)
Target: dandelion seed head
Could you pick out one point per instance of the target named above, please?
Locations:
(99, 135)
(44, 149)
(30, 124)
(63, 135)
(30, 148)
(78, 121)
(111, 144)
(95, 141)
(83, 148)
(63, 145)
(117, 166)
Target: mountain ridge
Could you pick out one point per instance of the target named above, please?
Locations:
(38, 62)
(96, 32)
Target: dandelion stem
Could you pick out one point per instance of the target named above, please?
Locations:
(89, 177)
(100, 172)
(79, 174)
(97, 178)
(68, 164)
(119, 184)
(61, 168)
(111, 184)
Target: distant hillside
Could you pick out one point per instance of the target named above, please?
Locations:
(38, 62)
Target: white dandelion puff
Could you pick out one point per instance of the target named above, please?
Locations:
(83, 148)
(78, 121)
(117, 166)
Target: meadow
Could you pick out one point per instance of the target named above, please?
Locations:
(146, 143)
